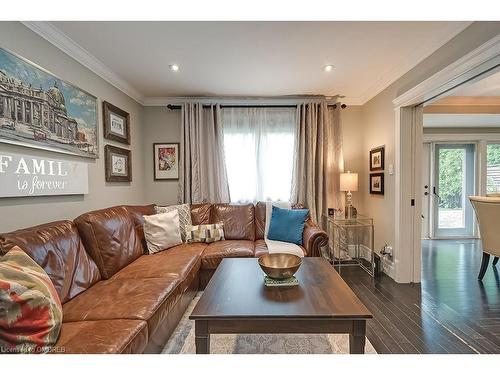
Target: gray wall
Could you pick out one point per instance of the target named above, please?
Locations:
(352, 142)
(18, 213)
(161, 125)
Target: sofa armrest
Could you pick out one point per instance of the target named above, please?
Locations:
(313, 238)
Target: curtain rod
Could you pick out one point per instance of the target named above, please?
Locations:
(173, 107)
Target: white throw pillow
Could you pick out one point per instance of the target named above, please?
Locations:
(184, 216)
(162, 231)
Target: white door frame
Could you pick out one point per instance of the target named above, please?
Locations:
(482, 61)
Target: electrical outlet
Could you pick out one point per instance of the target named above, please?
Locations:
(388, 250)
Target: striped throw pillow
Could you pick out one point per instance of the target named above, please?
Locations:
(205, 233)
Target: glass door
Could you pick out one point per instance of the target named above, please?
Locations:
(454, 182)
(426, 197)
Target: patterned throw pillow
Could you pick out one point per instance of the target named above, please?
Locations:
(30, 309)
(205, 233)
(184, 216)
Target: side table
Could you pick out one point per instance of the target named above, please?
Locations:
(351, 242)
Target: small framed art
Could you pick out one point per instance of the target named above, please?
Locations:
(377, 183)
(116, 123)
(377, 159)
(118, 164)
(166, 161)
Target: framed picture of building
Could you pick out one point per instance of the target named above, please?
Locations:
(116, 123)
(377, 183)
(39, 110)
(377, 159)
(166, 161)
(118, 164)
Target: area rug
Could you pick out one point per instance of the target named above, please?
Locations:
(182, 341)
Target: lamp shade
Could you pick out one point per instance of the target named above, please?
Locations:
(348, 181)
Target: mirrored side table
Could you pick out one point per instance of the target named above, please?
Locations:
(350, 242)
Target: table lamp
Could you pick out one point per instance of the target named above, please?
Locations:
(349, 182)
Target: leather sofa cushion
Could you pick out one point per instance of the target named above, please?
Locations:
(260, 220)
(144, 299)
(137, 213)
(110, 237)
(58, 249)
(261, 249)
(215, 252)
(177, 261)
(201, 213)
(239, 220)
(103, 337)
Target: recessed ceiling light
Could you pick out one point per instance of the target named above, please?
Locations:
(328, 68)
(174, 67)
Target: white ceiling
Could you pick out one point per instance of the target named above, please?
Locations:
(253, 58)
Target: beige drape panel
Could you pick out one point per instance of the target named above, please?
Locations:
(319, 158)
(202, 176)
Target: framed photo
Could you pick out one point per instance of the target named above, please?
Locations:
(118, 164)
(377, 159)
(116, 123)
(166, 161)
(377, 183)
(40, 110)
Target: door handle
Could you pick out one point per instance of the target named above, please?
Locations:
(434, 192)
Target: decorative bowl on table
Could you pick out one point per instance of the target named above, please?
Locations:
(280, 265)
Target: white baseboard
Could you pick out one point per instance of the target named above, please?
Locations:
(388, 266)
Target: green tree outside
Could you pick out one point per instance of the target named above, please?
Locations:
(493, 160)
(451, 172)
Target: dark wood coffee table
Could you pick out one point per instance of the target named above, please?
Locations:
(237, 301)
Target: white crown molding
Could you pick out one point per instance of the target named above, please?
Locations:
(56, 37)
(485, 57)
(354, 100)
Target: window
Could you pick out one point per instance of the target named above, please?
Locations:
(493, 168)
(259, 145)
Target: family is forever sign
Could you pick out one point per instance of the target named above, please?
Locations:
(23, 175)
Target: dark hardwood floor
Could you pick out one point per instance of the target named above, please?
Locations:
(449, 312)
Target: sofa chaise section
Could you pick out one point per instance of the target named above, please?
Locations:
(58, 249)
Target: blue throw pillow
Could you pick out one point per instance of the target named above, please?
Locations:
(287, 225)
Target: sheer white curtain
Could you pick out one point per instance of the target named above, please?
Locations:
(259, 146)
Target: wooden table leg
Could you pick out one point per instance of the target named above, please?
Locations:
(357, 337)
(202, 337)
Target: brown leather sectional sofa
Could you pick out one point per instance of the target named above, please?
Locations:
(115, 298)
